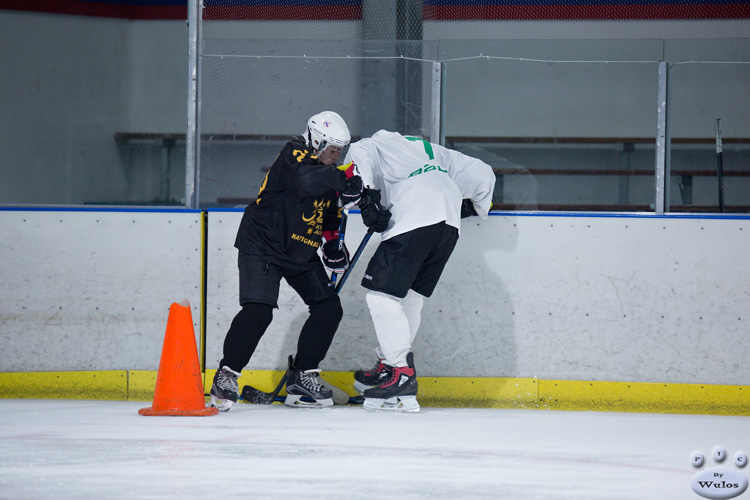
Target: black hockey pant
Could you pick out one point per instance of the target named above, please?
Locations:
(249, 325)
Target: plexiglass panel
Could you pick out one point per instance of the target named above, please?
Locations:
(709, 88)
(567, 124)
(256, 95)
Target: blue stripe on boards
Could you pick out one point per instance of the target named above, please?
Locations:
(621, 215)
(604, 215)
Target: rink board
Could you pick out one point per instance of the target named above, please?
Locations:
(599, 311)
(592, 298)
(91, 289)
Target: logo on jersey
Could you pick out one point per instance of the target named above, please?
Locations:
(315, 220)
(314, 224)
(428, 168)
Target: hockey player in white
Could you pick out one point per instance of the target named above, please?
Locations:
(415, 193)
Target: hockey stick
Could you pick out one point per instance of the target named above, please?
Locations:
(258, 397)
(342, 231)
(720, 165)
(253, 395)
(354, 259)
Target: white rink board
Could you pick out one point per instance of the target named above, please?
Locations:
(91, 290)
(599, 298)
(644, 299)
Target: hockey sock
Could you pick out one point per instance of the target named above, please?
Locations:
(248, 326)
(391, 326)
(412, 306)
(317, 333)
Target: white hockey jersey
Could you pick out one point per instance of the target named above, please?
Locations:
(421, 183)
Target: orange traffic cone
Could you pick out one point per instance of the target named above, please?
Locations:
(179, 387)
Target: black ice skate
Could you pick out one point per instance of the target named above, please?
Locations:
(303, 389)
(398, 393)
(224, 391)
(364, 380)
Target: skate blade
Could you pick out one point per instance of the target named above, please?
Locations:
(222, 404)
(303, 402)
(360, 387)
(399, 404)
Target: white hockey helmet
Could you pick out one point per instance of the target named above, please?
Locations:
(327, 129)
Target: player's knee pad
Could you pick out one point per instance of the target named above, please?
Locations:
(413, 302)
(412, 306)
(391, 326)
(383, 305)
(247, 328)
(255, 316)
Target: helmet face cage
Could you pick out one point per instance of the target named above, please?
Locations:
(327, 129)
(331, 154)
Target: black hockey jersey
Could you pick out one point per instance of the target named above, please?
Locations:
(295, 204)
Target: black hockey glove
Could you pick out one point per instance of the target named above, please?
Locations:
(467, 208)
(374, 215)
(352, 193)
(335, 260)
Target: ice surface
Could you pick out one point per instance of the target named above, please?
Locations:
(62, 450)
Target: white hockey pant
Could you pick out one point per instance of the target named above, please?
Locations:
(396, 323)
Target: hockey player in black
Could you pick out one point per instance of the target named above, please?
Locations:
(296, 212)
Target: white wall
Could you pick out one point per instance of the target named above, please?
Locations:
(73, 82)
(61, 93)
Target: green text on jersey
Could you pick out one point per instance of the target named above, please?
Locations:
(430, 154)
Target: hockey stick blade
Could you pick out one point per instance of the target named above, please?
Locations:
(258, 397)
(252, 395)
